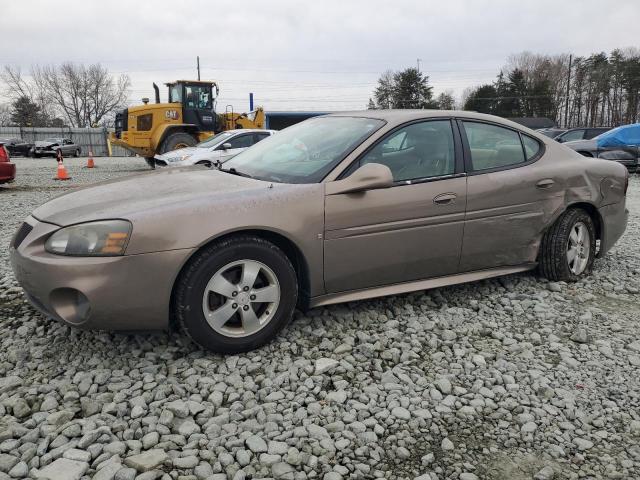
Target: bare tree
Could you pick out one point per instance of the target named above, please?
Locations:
(17, 86)
(5, 115)
(83, 95)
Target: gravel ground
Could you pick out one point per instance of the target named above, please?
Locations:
(514, 378)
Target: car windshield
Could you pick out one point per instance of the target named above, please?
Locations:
(53, 140)
(215, 140)
(305, 152)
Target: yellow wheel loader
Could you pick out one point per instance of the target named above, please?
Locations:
(188, 118)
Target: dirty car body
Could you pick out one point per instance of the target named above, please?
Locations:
(381, 218)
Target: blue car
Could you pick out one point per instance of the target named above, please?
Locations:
(621, 144)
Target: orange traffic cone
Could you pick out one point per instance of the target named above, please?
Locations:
(90, 163)
(62, 171)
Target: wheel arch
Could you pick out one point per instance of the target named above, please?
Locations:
(172, 128)
(288, 247)
(593, 212)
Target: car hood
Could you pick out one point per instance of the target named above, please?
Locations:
(582, 145)
(41, 143)
(150, 193)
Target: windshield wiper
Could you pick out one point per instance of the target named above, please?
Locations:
(233, 171)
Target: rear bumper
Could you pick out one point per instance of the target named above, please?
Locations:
(7, 172)
(130, 292)
(614, 218)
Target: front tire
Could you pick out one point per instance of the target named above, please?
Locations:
(177, 140)
(236, 294)
(76, 153)
(568, 248)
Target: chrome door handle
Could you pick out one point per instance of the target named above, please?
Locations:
(445, 199)
(546, 183)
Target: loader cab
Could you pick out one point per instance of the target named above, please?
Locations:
(198, 102)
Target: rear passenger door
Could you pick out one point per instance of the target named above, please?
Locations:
(510, 196)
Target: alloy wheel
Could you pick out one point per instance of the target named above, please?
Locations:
(241, 298)
(578, 248)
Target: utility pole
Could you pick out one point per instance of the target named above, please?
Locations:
(198, 64)
(566, 100)
(418, 60)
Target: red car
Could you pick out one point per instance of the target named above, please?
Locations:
(7, 168)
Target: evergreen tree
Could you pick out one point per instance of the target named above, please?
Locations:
(405, 89)
(412, 90)
(25, 113)
(482, 99)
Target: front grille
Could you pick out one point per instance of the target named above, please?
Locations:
(21, 234)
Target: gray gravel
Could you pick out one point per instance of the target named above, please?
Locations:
(514, 378)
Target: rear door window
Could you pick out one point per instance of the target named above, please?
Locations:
(492, 146)
(573, 135)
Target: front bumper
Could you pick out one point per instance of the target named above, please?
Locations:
(130, 292)
(43, 152)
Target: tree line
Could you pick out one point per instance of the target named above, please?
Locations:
(596, 90)
(73, 95)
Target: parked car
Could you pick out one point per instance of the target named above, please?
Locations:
(7, 168)
(551, 132)
(51, 146)
(621, 144)
(17, 146)
(217, 149)
(580, 134)
(337, 208)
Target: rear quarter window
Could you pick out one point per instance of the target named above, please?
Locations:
(531, 146)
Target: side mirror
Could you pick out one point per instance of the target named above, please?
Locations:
(559, 139)
(227, 146)
(370, 176)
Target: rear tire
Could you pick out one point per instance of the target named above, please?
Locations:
(217, 286)
(177, 140)
(568, 248)
(76, 153)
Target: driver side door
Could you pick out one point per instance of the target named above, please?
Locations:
(410, 231)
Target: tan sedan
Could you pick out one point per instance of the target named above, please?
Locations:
(338, 208)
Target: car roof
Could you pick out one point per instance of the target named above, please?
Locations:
(396, 117)
(248, 130)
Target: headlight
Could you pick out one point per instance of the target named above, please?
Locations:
(104, 239)
(181, 158)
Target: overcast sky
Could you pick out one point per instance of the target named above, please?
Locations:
(315, 55)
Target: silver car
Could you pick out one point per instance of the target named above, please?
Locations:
(217, 149)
